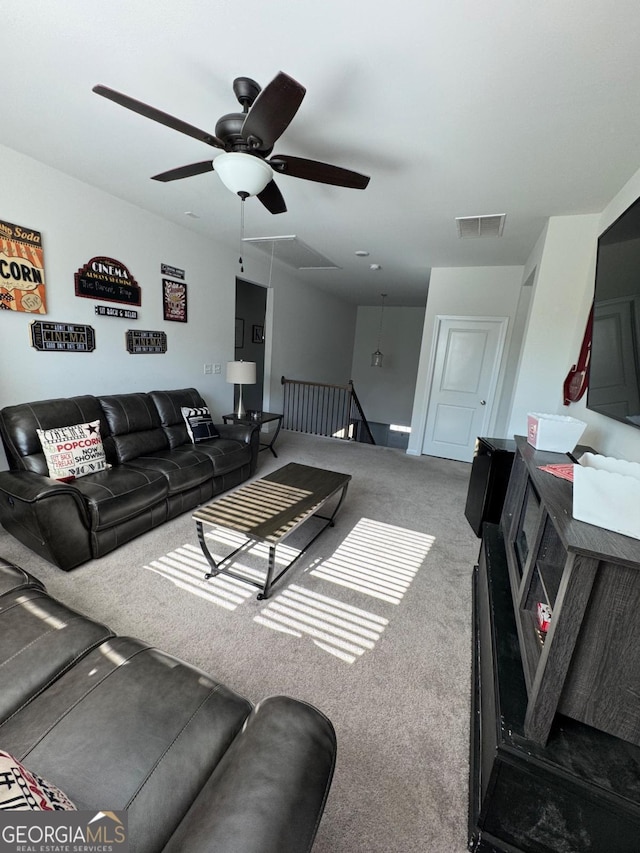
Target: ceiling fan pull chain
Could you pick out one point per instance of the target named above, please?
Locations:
(242, 200)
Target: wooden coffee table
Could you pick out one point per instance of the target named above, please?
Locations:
(268, 510)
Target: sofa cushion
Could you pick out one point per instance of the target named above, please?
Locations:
(121, 493)
(182, 471)
(19, 425)
(134, 425)
(73, 451)
(199, 422)
(139, 730)
(169, 405)
(225, 454)
(13, 577)
(41, 638)
(22, 790)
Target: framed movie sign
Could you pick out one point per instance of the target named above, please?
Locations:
(22, 285)
(174, 300)
(62, 337)
(145, 342)
(108, 280)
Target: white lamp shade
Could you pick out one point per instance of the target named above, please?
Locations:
(241, 372)
(243, 173)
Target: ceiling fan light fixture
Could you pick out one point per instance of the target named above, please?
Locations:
(243, 174)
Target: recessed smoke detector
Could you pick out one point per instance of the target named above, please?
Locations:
(488, 225)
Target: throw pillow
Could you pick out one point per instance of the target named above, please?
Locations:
(22, 790)
(73, 451)
(199, 424)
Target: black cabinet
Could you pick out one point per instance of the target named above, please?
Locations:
(492, 461)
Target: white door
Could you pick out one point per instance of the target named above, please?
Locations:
(466, 364)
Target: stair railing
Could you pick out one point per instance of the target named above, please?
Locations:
(319, 408)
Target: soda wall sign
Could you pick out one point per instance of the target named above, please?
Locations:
(108, 280)
(62, 337)
(22, 286)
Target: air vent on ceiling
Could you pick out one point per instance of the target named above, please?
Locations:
(491, 225)
(292, 251)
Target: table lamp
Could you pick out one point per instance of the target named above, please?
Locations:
(241, 373)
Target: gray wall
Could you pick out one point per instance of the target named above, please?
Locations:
(387, 392)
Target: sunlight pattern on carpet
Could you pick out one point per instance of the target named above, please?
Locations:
(377, 559)
(186, 567)
(344, 631)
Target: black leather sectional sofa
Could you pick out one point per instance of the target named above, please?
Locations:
(119, 726)
(155, 473)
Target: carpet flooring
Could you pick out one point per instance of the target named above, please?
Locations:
(372, 625)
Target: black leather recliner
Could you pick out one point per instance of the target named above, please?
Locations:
(156, 471)
(118, 725)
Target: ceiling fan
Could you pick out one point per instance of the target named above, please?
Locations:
(247, 139)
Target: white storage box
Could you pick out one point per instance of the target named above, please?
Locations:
(606, 492)
(553, 432)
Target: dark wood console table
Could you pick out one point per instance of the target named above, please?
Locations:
(578, 794)
(587, 667)
(555, 726)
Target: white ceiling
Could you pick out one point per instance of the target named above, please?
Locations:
(453, 107)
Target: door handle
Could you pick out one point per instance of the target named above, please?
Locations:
(483, 402)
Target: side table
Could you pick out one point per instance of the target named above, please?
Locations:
(259, 418)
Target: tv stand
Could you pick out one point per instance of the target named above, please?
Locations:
(578, 794)
(555, 746)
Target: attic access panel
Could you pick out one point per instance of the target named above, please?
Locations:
(292, 251)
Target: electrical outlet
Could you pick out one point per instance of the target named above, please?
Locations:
(217, 368)
(208, 368)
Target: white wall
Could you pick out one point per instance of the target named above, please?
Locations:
(557, 317)
(468, 292)
(566, 280)
(307, 331)
(312, 336)
(386, 393)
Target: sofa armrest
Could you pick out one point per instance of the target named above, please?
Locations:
(239, 432)
(247, 433)
(268, 792)
(27, 486)
(48, 516)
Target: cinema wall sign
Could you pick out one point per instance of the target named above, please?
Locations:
(108, 280)
(108, 311)
(146, 343)
(62, 337)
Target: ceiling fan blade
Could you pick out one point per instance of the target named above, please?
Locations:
(313, 170)
(159, 116)
(184, 171)
(272, 198)
(272, 111)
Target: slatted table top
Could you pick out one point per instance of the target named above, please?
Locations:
(270, 508)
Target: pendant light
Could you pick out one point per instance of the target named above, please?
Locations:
(377, 356)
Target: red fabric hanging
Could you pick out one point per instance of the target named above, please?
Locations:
(578, 377)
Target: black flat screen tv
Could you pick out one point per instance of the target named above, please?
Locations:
(614, 370)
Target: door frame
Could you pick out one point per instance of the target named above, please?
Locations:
(497, 374)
